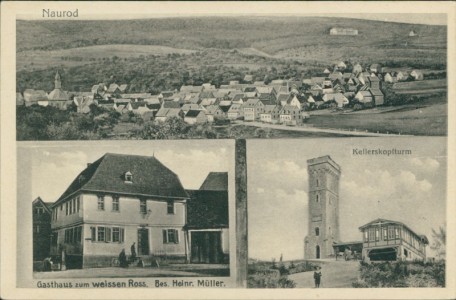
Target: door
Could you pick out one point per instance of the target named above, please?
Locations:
(317, 251)
(143, 241)
(206, 247)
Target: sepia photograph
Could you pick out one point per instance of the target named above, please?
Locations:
(357, 213)
(227, 150)
(140, 210)
(236, 76)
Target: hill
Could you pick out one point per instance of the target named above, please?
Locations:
(300, 38)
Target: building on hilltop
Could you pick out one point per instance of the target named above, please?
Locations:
(343, 31)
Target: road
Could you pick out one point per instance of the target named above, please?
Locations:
(315, 130)
(335, 274)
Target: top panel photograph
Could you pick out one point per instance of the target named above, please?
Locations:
(222, 77)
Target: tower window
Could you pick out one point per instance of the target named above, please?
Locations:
(318, 182)
(317, 199)
(317, 231)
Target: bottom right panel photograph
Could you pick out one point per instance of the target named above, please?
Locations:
(347, 213)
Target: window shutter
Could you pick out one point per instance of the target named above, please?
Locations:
(176, 235)
(122, 234)
(164, 236)
(108, 234)
(94, 233)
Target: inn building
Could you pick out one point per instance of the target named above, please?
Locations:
(119, 200)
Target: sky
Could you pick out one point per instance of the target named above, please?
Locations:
(410, 189)
(48, 168)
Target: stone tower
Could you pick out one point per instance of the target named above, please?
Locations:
(57, 82)
(323, 218)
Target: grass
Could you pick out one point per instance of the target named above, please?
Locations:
(420, 85)
(429, 120)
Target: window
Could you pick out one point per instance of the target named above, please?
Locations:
(396, 231)
(93, 233)
(385, 234)
(170, 207)
(100, 202)
(36, 229)
(128, 177)
(390, 233)
(371, 234)
(116, 234)
(317, 231)
(71, 207)
(39, 210)
(143, 206)
(366, 236)
(377, 234)
(170, 236)
(78, 203)
(101, 234)
(115, 203)
(66, 208)
(61, 207)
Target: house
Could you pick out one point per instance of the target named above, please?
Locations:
(165, 94)
(252, 109)
(290, 115)
(326, 71)
(83, 104)
(114, 202)
(267, 115)
(341, 66)
(214, 112)
(41, 215)
(412, 33)
(334, 76)
(388, 78)
(258, 83)
(339, 98)
(357, 68)
(136, 96)
(343, 31)
(195, 117)
(387, 240)
(373, 82)
(248, 78)
(207, 226)
(164, 114)
(123, 88)
(32, 97)
(402, 76)
(235, 111)
(170, 104)
(20, 101)
(376, 68)
(364, 97)
(379, 98)
(187, 107)
(417, 75)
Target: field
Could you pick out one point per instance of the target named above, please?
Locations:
(421, 87)
(40, 59)
(415, 120)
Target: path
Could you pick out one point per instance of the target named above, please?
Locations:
(313, 129)
(335, 274)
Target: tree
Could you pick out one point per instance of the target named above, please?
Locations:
(439, 244)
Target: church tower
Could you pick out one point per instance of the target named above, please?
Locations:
(323, 217)
(57, 82)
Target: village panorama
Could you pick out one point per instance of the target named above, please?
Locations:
(99, 89)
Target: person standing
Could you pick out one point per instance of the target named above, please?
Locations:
(133, 251)
(123, 259)
(317, 279)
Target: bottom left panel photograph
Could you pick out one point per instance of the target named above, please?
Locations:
(138, 214)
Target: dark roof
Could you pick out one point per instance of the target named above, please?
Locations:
(106, 175)
(193, 113)
(171, 104)
(215, 181)
(207, 209)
